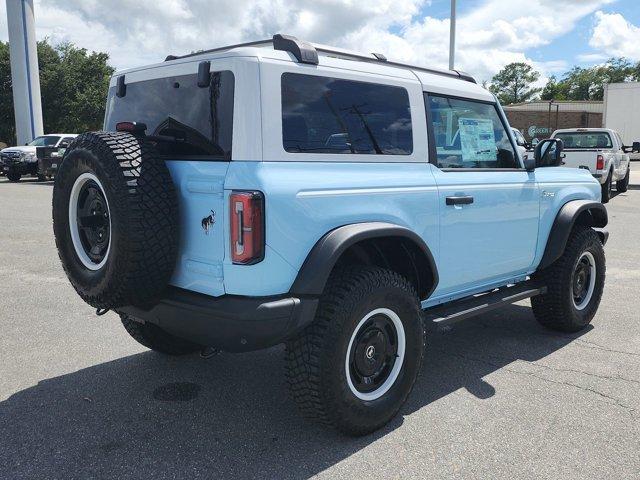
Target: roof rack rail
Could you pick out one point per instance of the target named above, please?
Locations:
(305, 52)
(219, 49)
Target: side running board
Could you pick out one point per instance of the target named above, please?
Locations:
(457, 310)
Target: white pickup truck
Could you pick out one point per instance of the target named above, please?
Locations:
(601, 151)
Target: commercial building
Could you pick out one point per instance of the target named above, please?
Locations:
(537, 120)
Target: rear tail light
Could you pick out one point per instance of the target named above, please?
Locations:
(131, 127)
(600, 163)
(247, 227)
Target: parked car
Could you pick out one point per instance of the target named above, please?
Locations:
(22, 160)
(600, 151)
(342, 204)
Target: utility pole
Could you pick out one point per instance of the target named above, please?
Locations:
(452, 35)
(25, 77)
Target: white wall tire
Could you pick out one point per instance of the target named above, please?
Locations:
(80, 249)
(318, 360)
(392, 376)
(121, 251)
(568, 305)
(584, 278)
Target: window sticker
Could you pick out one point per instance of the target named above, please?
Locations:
(477, 140)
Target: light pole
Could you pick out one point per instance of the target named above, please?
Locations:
(452, 35)
(25, 77)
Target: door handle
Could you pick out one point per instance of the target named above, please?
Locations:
(460, 200)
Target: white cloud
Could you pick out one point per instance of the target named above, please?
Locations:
(136, 32)
(614, 36)
(591, 57)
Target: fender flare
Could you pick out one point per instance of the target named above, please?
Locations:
(590, 213)
(317, 267)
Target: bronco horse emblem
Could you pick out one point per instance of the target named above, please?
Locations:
(207, 222)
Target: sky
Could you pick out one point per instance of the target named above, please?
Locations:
(551, 35)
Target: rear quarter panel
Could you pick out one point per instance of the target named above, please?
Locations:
(305, 200)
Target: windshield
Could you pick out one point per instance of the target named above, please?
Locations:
(44, 141)
(585, 139)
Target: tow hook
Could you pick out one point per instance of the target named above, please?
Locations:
(209, 352)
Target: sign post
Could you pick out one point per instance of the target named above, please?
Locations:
(25, 77)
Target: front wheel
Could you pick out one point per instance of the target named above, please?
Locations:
(623, 185)
(13, 176)
(355, 365)
(574, 284)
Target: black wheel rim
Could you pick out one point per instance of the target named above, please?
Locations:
(93, 221)
(581, 281)
(373, 354)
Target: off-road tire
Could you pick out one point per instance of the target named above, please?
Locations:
(556, 308)
(143, 212)
(315, 360)
(606, 188)
(13, 177)
(623, 185)
(153, 337)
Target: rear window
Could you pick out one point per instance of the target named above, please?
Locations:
(585, 139)
(332, 115)
(182, 118)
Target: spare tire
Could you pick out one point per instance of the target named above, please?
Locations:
(115, 219)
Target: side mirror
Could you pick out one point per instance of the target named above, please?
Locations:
(636, 147)
(529, 164)
(548, 153)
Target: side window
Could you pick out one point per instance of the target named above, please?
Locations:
(468, 134)
(332, 115)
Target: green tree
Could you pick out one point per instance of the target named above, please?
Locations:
(554, 90)
(588, 83)
(7, 123)
(513, 83)
(73, 85)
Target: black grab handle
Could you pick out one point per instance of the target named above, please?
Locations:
(462, 200)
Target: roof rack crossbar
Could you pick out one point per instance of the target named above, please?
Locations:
(307, 53)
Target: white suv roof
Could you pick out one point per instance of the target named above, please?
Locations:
(286, 48)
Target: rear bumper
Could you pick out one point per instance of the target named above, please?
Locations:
(230, 323)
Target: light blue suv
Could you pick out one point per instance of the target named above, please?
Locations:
(283, 192)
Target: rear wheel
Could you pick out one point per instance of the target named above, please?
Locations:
(356, 364)
(153, 337)
(574, 284)
(606, 189)
(623, 185)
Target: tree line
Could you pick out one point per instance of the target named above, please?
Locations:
(73, 86)
(514, 83)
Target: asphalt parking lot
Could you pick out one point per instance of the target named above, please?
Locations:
(499, 396)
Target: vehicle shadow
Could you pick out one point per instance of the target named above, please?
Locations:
(150, 416)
